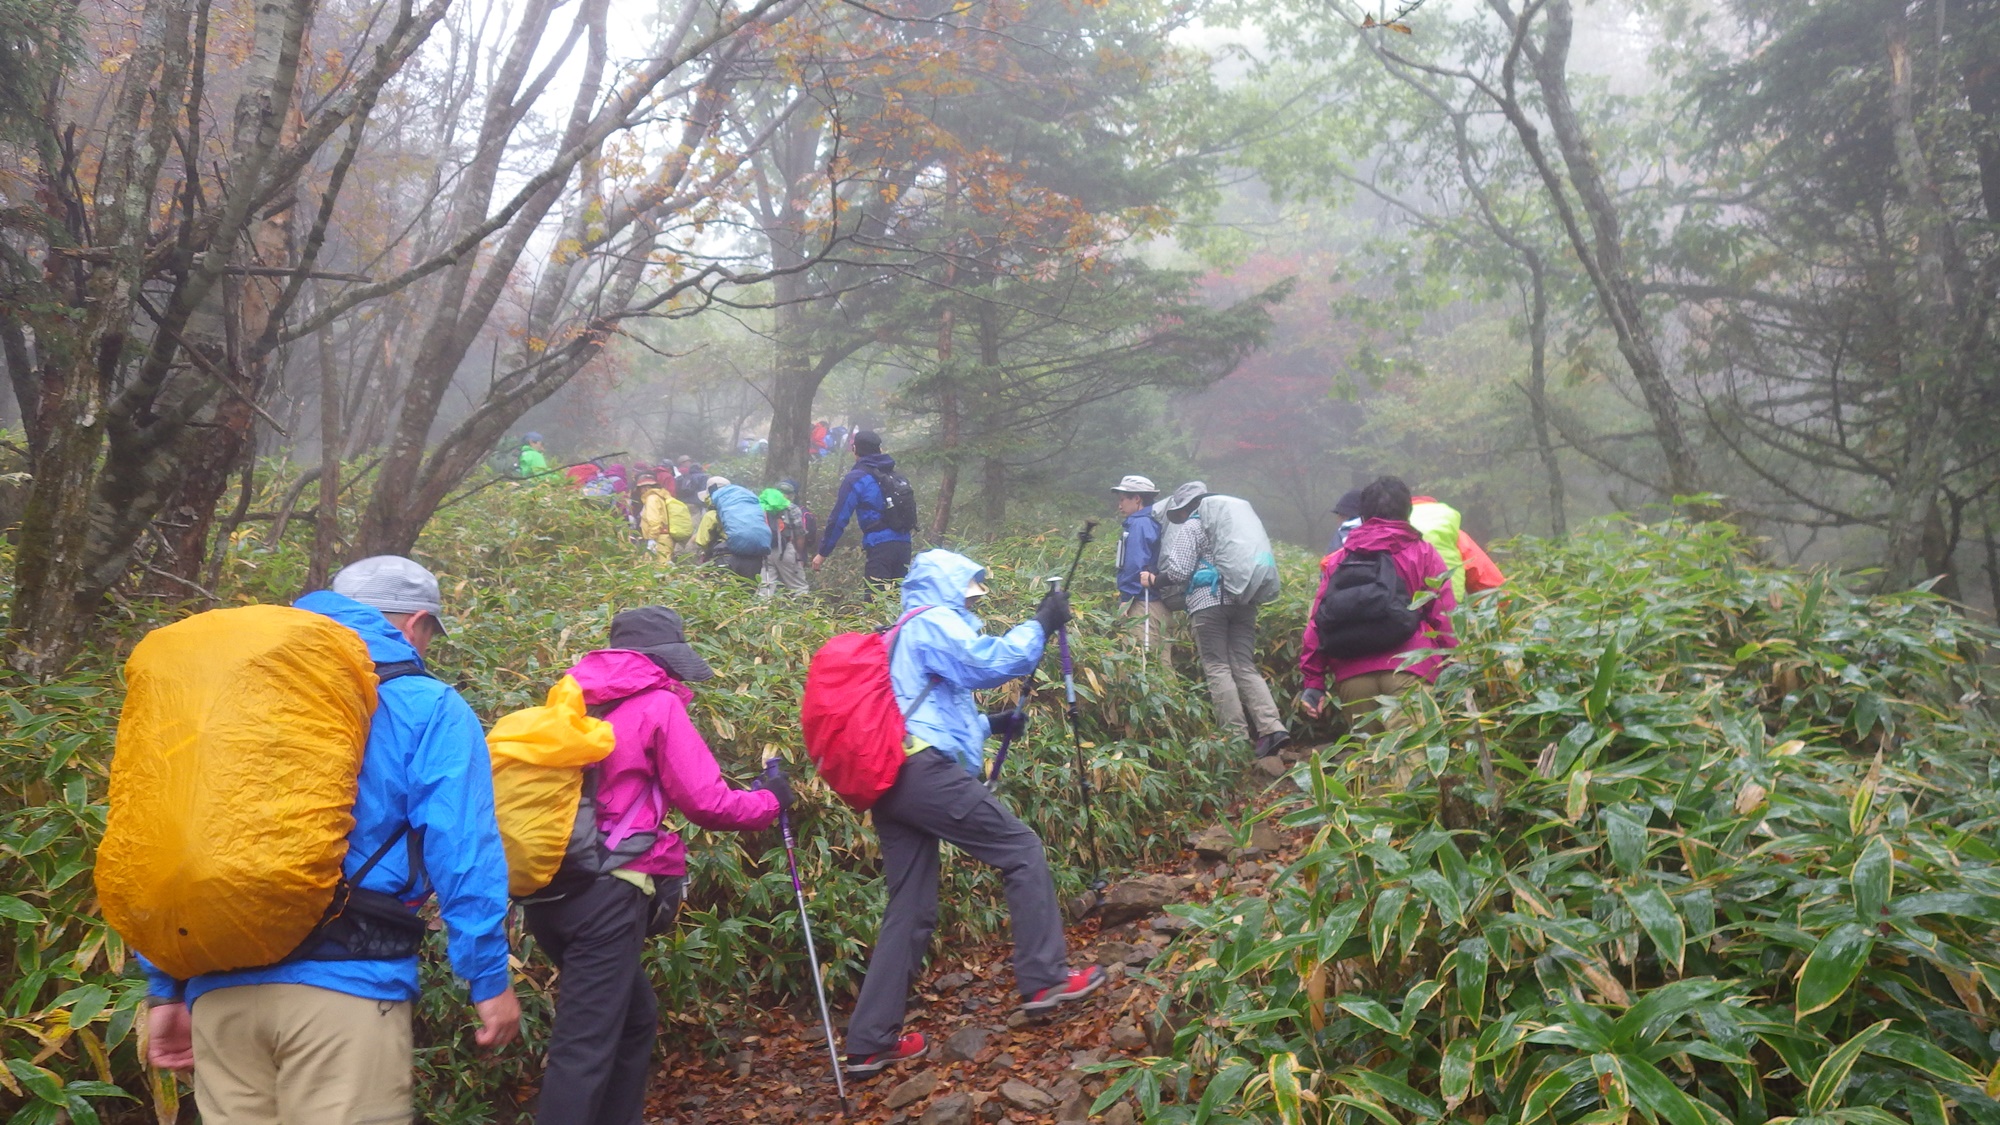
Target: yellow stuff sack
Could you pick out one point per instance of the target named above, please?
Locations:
(232, 786)
(539, 754)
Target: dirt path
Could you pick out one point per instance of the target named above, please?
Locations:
(987, 1064)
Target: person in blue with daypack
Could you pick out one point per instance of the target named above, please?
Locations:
(326, 1033)
(1139, 553)
(941, 656)
(879, 498)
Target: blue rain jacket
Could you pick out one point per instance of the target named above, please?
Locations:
(742, 517)
(1138, 549)
(861, 499)
(425, 765)
(949, 643)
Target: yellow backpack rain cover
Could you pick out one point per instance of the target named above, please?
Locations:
(232, 786)
(538, 758)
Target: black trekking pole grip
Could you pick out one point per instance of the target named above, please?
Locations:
(1082, 540)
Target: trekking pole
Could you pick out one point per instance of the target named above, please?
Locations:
(1076, 746)
(1028, 682)
(812, 955)
(1146, 629)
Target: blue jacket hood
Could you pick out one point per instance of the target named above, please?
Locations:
(940, 577)
(874, 461)
(386, 643)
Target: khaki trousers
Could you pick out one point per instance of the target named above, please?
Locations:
(1157, 610)
(1358, 694)
(298, 1055)
(1225, 638)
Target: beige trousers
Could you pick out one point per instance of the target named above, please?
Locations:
(292, 1054)
(1157, 610)
(1358, 693)
(1225, 640)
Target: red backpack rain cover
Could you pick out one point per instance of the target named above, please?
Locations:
(853, 725)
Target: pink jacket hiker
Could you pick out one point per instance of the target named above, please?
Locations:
(1422, 569)
(656, 739)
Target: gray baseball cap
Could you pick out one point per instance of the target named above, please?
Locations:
(392, 584)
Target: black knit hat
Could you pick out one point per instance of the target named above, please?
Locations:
(1349, 504)
(656, 631)
(867, 442)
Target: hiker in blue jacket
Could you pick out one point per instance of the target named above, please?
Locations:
(940, 657)
(860, 499)
(324, 1035)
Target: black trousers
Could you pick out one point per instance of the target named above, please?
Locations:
(601, 1047)
(888, 562)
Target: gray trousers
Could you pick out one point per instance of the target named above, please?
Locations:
(935, 799)
(782, 567)
(1225, 637)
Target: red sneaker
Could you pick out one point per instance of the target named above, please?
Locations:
(911, 1046)
(1078, 986)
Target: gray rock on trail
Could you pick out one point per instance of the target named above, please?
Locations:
(952, 1109)
(1072, 1104)
(1127, 1037)
(992, 1110)
(1122, 953)
(1018, 1019)
(1136, 898)
(1265, 836)
(965, 1044)
(1021, 1096)
(1076, 909)
(913, 1091)
(952, 982)
(1272, 766)
(1212, 843)
(1120, 1114)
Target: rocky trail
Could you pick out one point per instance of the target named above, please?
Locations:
(988, 1063)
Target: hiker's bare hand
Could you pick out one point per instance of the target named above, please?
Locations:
(1314, 701)
(170, 1037)
(1145, 578)
(818, 559)
(499, 1020)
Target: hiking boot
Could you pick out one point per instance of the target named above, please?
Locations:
(1269, 744)
(909, 1047)
(1079, 985)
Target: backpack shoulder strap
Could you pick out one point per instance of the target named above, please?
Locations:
(387, 670)
(932, 679)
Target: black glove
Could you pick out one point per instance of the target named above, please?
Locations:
(778, 785)
(1007, 723)
(1053, 613)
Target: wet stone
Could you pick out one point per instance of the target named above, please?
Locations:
(965, 1044)
(1022, 1096)
(952, 1109)
(913, 1091)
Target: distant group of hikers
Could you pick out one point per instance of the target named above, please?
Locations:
(278, 924)
(679, 510)
(1397, 567)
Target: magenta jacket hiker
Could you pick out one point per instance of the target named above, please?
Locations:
(656, 739)
(1422, 568)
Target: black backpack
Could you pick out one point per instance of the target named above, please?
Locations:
(1366, 609)
(899, 501)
